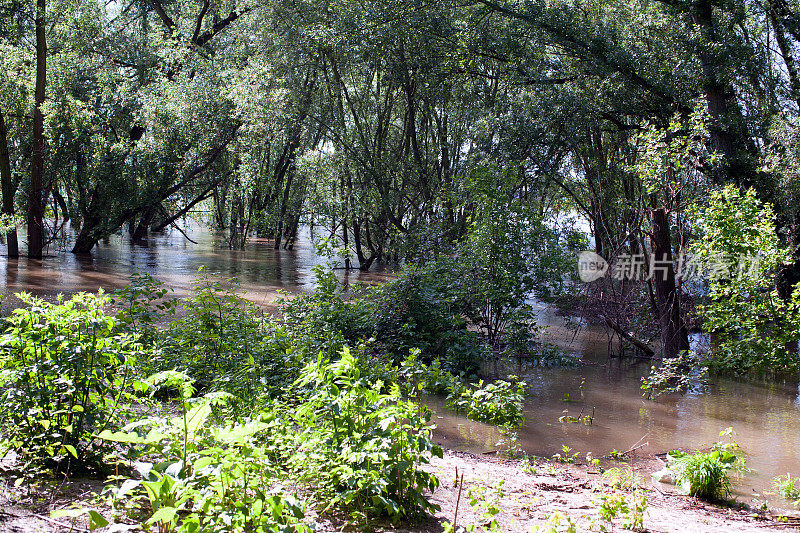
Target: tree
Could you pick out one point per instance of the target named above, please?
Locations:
(35, 210)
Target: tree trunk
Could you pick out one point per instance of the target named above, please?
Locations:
(727, 130)
(142, 228)
(35, 208)
(8, 188)
(674, 337)
(85, 240)
(35, 213)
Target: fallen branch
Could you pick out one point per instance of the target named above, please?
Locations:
(629, 338)
(177, 227)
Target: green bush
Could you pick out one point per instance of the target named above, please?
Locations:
(223, 342)
(675, 375)
(705, 475)
(419, 310)
(350, 446)
(499, 402)
(197, 476)
(360, 447)
(754, 327)
(66, 373)
(327, 319)
(141, 305)
(789, 488)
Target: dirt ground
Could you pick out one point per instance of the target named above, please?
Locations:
(528, 499)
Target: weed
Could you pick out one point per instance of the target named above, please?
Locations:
(789, 488)
(557, 523)
(66, 372)
(631, 509)
(705, 474)
(622, 479)
(499, 402)
(566, 455)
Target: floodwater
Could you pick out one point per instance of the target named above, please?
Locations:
(764, 416)
(260, 270)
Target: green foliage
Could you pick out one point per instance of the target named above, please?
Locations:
(499, 402)
(671, 156)
(409, 312)
(361, 447)
(705, 475)
(507, 254)
(350, 446)
(675, 375)
(753, 325)
(789, 488)
(566, 455)
(631, 509)
(328, 319)
(558, 522)
(202, 477)
(223, 342)
(66, 373)
(485, 502)
(421, 309)
(142, 304)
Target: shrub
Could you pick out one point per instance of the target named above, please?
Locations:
(621, 479)
(705, 475)
(630, 509)
(361, 447)
(499, 402)
(327, 319)
(420, 310)
(66, 374)
(141, 304)
(753, 325)
(201, 477)
(225, 343)
(675, 375)
(508, 253)
(349, 445)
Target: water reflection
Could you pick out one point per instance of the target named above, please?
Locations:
(175, 260)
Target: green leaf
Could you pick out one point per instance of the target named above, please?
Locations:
(71, 449)
(96, 520)
(165, 515)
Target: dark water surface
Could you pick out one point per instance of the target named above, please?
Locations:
(765, 417)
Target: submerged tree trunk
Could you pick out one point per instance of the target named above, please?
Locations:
(143, 227)
(674, 336)
(8, 188)
(35, 214)
(86, 240)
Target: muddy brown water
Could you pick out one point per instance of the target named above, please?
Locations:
(765, 416)
(261, 270)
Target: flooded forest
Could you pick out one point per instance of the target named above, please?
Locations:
(414, 266)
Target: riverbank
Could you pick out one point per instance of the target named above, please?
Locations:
(530, 499)
(529, 495)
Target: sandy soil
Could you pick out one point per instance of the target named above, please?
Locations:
(528, 500)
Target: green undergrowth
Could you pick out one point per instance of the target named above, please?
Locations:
(208, 415)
